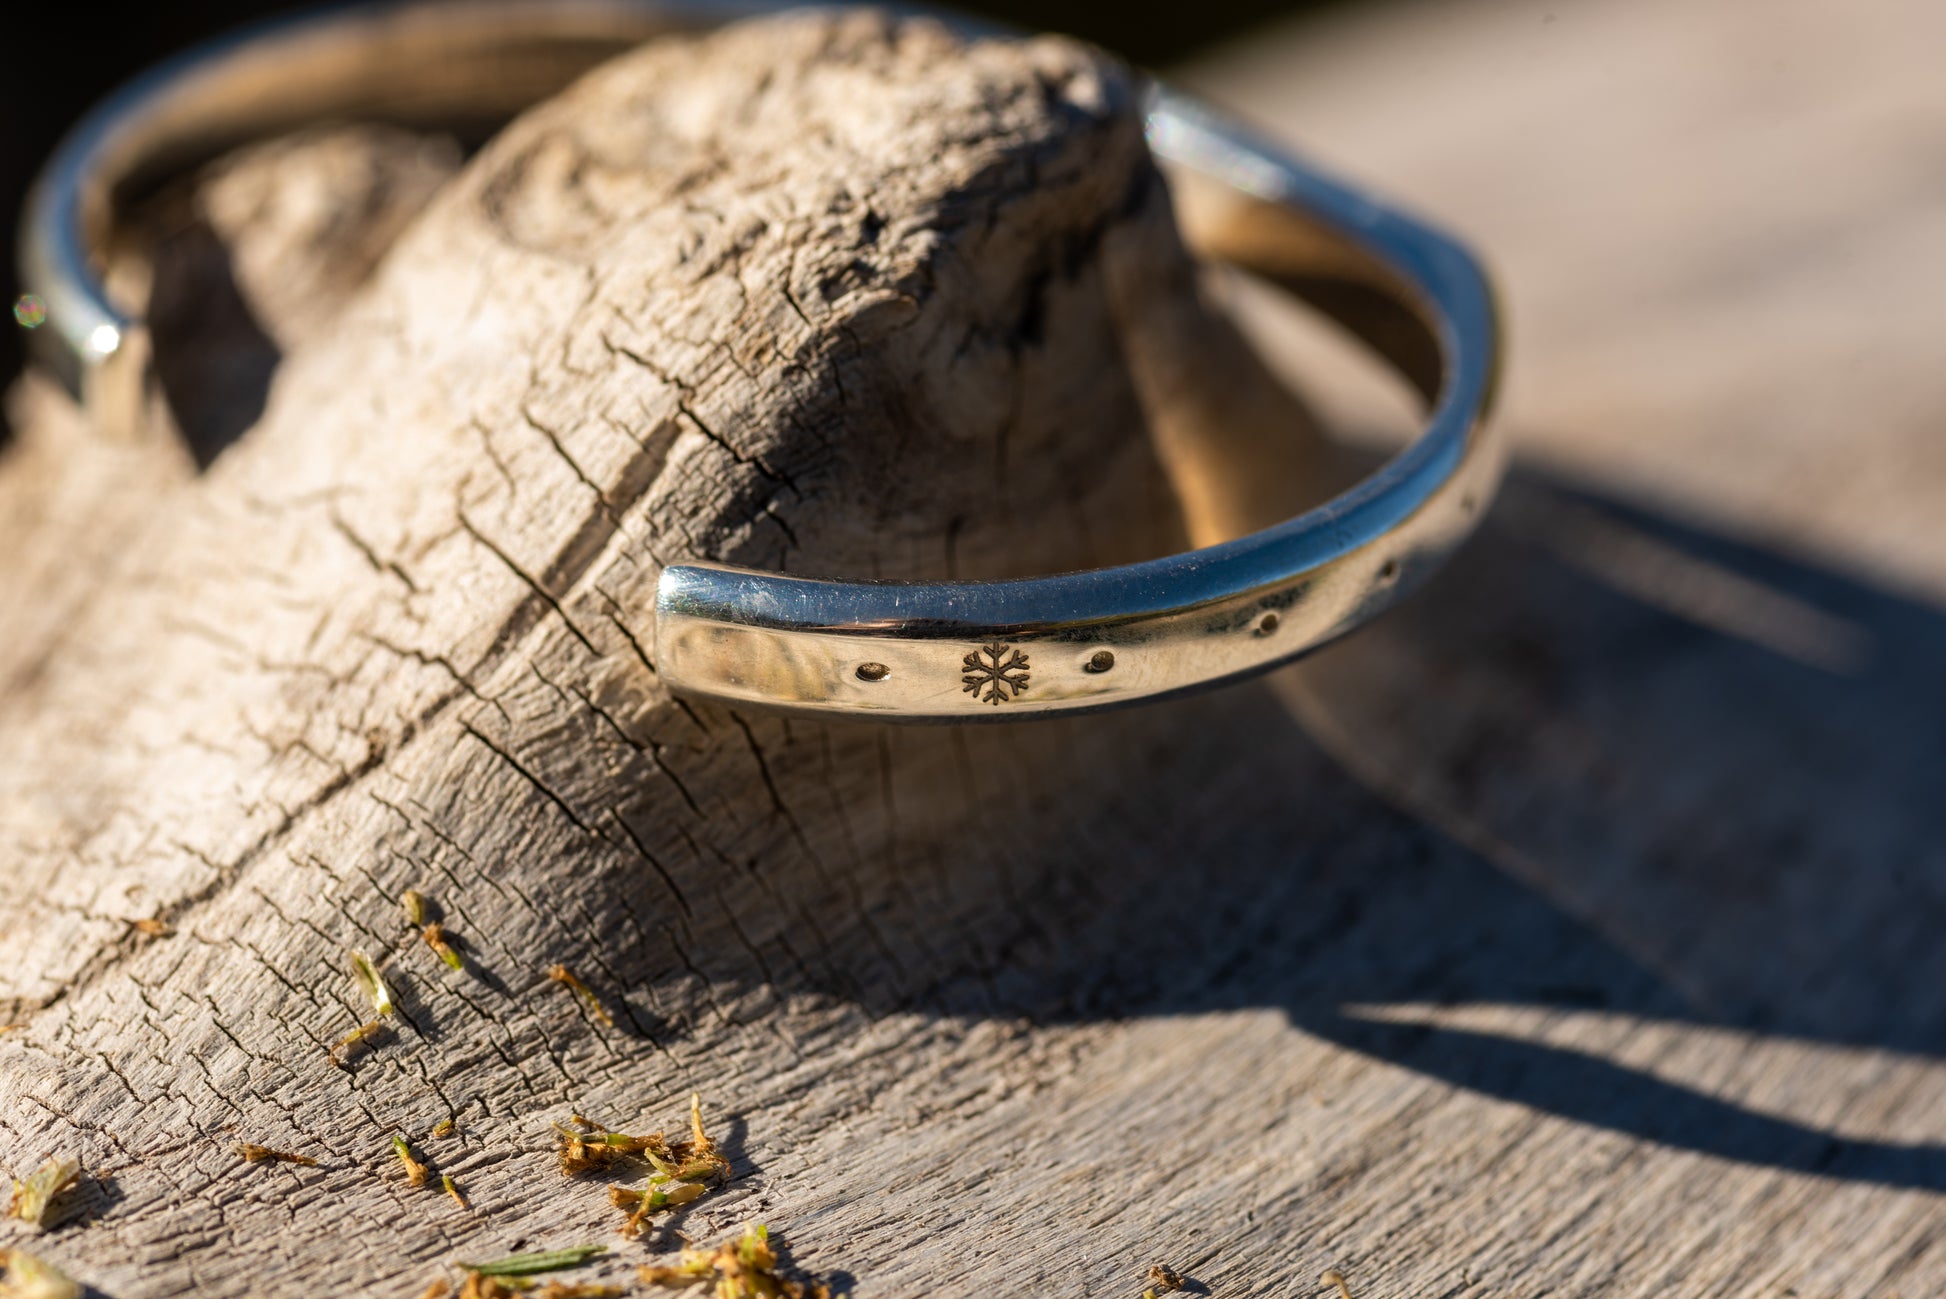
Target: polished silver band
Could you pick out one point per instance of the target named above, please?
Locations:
(938, 651)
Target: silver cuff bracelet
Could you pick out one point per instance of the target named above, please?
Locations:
(921, 650)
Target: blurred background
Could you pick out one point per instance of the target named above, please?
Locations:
(65, 57)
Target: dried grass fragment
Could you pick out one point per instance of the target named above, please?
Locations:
(30, 1278)
(646, 1203)
(366, 974)
(418, 910)
(435, 936)
(368, 977)
(1337, 1278)
(745, 1268)
(415, 1172)
(452, 1189)
(33, 1199)
(681, 1170)
(363, 1035)
(255, 1154)
(588, 1146)
(562, 975)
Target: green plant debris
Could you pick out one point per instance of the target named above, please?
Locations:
(1336, 1278)
(646, 1203)
(588, 1145)
(33, 1199)
(443, 1128)
(419, 911)
(562, 975)
(415, 1172)
(745, 1268)
(369, 979)
(681, 1170)
(452, 1188)
(435, 936)
(255, 1154)
(553, 1260)
(373, 985)
(30, 1278)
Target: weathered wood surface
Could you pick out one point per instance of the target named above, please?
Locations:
(1600, 959)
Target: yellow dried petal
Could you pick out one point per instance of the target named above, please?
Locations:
(34, 1198)
(31, 1278)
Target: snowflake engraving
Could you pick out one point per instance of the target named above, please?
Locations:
(995, 669)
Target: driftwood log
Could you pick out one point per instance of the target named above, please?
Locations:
(1574, 931)
(837, 295)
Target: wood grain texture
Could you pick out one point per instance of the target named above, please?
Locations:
(1684, 694)
(1572, 932)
